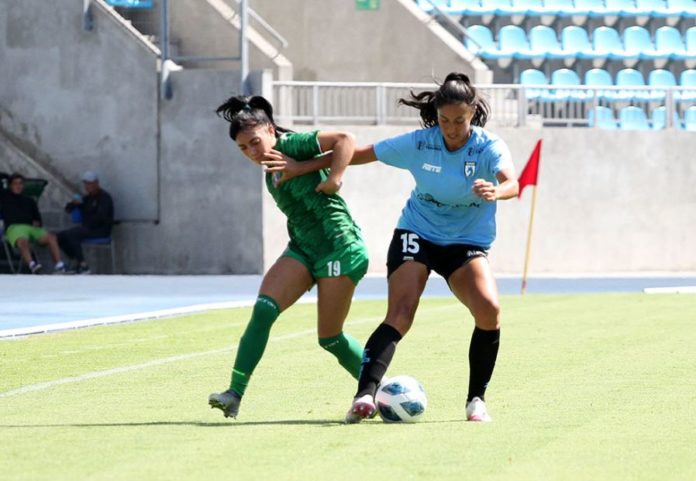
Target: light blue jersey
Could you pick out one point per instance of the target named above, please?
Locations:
(442, 207)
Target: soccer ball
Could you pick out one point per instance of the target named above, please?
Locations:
(400, 399)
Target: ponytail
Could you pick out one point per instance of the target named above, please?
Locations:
(246, 112)
(456, 88)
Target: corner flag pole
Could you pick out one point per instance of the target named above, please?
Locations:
(529, 176)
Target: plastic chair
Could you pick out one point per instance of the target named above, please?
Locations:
(607, 43)
(534, 77)
(622, 8)
(591, 8)
(637, 43)
(629, 77)
(7, 248)
(560, 8)
(690, 42)
(668, 41)
(484, 37)
(513, 43)
(602, 117)
(98, 242)
(598, 77)
(690, 119)
(543, 42)
(658, 119)
(663, 79)
(633, 118)
(34, 187)
(681, 8)
(576, 42)
(567, 77)
(532, 8)
(131, 3)
(688, 79)
(652, 8)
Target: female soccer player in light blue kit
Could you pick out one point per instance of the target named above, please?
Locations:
(448, 225)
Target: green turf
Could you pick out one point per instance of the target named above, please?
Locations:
(588, 387)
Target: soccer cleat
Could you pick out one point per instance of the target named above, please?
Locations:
(362, 408)
(227, 401)
(35, 267)
(476, 411)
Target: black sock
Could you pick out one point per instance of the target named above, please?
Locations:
(377, 355)
(483, 352)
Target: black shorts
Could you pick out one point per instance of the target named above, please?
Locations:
(409, 246)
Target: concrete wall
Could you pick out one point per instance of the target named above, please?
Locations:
(331, 40)
(607, 202)
(75, 100)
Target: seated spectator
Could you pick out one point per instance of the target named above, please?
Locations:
(23, 225)
(97, 218)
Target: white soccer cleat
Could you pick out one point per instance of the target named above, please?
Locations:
(362, 408)
(476, 411)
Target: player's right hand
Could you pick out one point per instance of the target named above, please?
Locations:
(275, 161)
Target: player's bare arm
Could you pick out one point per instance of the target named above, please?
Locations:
(507, 187)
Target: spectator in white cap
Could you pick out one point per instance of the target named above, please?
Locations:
(96, 213)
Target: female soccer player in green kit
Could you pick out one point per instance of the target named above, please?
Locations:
(325, 247)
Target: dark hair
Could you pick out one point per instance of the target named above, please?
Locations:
(246, 112)
(14, 177)
(455, 89)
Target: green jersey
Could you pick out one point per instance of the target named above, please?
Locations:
(318, 224)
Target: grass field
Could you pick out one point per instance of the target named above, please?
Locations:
(588, 387)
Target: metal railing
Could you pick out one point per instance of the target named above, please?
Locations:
(513, 105)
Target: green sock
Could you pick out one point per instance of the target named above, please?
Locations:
(253, 342)
(347, 350)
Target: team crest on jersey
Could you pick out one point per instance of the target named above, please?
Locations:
(469, 168)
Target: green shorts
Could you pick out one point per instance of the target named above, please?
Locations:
(351, 261)
(26, 231)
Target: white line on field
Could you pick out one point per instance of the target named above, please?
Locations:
(168, 360)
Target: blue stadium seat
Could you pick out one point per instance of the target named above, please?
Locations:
(652, 8)
(604, 118)
(633, 118)
(131, 3)
(534, 77)
(629, 77)
(598, 77)
(561, 8)
(498, 7)
(575, 42)
(690, 42)
(543, 41)
(658, 117)
(532, 8)
(663, 79)
(484, 37)
(668, 41)
(606, 41)
(591, 8)
(513, 43)
(682, 8)
(567, 77)
(453, 7)
(688, 79)
(637, 43)
(622, 8)
(690, 118)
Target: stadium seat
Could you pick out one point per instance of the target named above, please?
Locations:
(637, 43)
(690, 42)
(453, 7)
(591, 8)
(668, 41)
(532, 8)
(681, 8)
(575, 42)
(486, 48)
(658, 117)
(543, 41)
(567, 77)
(497, 7)
(688, 79)
(690, 119)
(606, 41)
(602, 117)
(131, 3)
(561, 8)
(663, 79)
(652, 8)
(513, 43)
(534, 77)
(598, 77)
(622, 8)
(633, 118)
(629, 77)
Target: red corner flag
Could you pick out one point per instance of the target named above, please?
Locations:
(530, 173)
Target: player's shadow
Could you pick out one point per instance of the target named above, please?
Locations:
(287, 422)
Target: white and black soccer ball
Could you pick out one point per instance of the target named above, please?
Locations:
(400, 399)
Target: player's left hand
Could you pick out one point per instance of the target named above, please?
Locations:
(329, 186)
(275, 161)
(486, 190)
